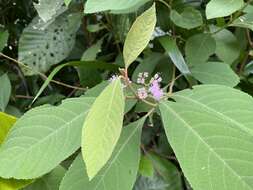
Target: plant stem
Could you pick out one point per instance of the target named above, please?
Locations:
(173, 80)
(41, 74)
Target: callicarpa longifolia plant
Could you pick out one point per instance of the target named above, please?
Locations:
(126, 95)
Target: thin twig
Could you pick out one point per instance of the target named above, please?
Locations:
(249, 38)
(41, 74)
(24, 97)
(173, 80)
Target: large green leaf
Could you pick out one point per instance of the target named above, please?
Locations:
(211, 137)
(215, 73)
(139, 35)
(42, 138)
(102, 127)
(40, 48)
(119, 172)
(199, 48)
(222, 8)
(227, 46)
(170, 45)
(47, 9)
(190, 18)
(50, 181)
(93, 6)
(5, 91)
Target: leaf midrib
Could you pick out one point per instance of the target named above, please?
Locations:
(220, 114)
(117, 154)
(206, 144)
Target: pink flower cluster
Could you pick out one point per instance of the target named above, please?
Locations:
(153, 87)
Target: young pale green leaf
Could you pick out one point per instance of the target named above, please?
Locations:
(215, 73)
(227, 46)
(40, 48)
(4, 35)
(139, 35)
(244, 21)
(120, 171)
(50, 181)
(190, 18)
(67, 2)
(170, 46)
(5, 91)
(166, 176)
(210, 136)
(102, 127)
(222, 8)
(93, 6)
(146, 167)
(58, 135)
(47, 9)
(199, 48)
(6, 122)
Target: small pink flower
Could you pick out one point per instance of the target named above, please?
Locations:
(142, 78)
(142, 93)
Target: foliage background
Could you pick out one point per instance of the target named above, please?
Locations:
(62, 54)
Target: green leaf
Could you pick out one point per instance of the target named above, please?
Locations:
(13, 184)
(170, 46)
(131, 9)
(215, 73)
(227, 46)
(67, 2)
(6, 122)
(91, 53)
(166, 176)
(244, 21)
(139, 35)
(222, 8)
(57, 136)
(93, 6)
(90, 76)
(40, 48)
(47, 9)
(4, 35)
(210, 135)
(146, 167)
(190, 18)
(202, 45)
(5, 91)
(120, 171)
(104, 120)
(49, 181)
